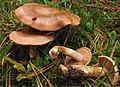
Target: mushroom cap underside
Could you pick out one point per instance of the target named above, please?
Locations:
(30, 36)
(110, 65)
(44, 17)
(85, 52)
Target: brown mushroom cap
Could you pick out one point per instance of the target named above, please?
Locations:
(44, 17)
(85, 52)
(109, 64)
(30, 36)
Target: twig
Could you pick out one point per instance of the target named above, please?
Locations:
(66, 38)
(50, 85)
(113, 50)
(9, 80)
(36, 75)
(42, 70)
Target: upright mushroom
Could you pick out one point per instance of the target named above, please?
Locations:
(28, 36)
(44, 17)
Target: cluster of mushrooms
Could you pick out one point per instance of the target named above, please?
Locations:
(77, 64)
(42, 20)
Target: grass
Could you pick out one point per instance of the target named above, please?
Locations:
(99, 30)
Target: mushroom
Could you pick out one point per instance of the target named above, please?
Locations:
(85, 52)
(80, 56)
(44, 17)
(104, 66)
(82, 70)
(109, 64)
(30, 37)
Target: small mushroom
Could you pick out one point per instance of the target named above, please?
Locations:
(81, 56)
(110, 65)
(30, 37)
(101, 69)
(44, 17)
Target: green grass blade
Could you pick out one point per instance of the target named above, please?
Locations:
(4, 52)
(16, 65)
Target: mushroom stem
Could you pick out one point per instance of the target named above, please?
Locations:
(56, 50)
(33, 52)
(82, 70)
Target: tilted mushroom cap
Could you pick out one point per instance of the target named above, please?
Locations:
(29, 36)
(44, 17)
(109, 64)
(85, 52)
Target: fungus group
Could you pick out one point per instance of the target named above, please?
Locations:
(41, 20)
(77, 64)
